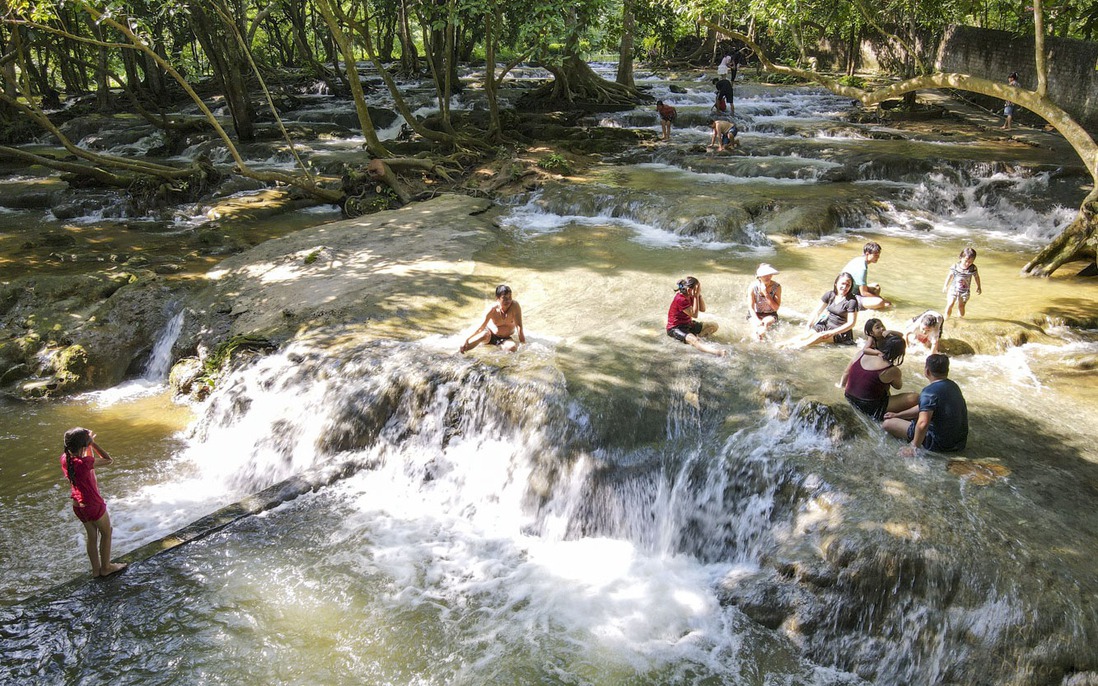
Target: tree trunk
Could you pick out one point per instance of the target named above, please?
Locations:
(1076, 242)
(373, 143)
(409, 57)
(230, 64)
(103, 89)
(625, 53)
(495, 128)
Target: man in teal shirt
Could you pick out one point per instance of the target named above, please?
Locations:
(868, 294)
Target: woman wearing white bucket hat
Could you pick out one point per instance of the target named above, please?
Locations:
(764, 297)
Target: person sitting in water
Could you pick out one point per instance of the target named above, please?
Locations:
(764, 297)
(939, 421)
(501, 326)
(868, 294)
(925, 329)
(868, 379)
(724, 131)
(681, 322)
(834, 320)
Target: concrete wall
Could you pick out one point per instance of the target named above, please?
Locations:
(1073, 66)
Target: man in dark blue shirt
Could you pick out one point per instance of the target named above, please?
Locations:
(940, 422)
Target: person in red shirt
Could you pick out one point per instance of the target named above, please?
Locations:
(667, 116)
(682, 326)
(78, 465)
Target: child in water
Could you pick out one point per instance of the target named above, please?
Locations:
(764, 297)
(78, 465)
(925, 329)
(682, 326)
(875, 333)
(958, 282)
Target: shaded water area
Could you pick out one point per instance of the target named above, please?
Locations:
(608, 506)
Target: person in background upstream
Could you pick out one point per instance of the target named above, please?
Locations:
(681, 323)
(1008, 106)
(78, 466)
(724, 134)
(724, 67)
(958, 283)
(834, 320)
(501, 325)
(940, 420)
(725, 97)
(667, 117)
(868, 294)
(764, 297)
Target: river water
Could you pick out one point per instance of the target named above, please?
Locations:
(608, 506)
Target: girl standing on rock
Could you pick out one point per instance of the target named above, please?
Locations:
(78, 465)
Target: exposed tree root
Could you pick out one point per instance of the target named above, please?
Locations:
(1075, 242)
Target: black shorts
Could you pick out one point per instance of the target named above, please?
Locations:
(841, 339)
(497, 340)
(874, 409)
(930, 442)
(679, 332)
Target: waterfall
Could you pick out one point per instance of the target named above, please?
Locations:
(160, 359)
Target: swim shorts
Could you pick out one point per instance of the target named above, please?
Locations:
(928, 441)
(498, 340)
(841, 339)
(874, 409)
(679, 332)
(91, 513)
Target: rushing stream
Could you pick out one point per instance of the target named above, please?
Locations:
(607, 506)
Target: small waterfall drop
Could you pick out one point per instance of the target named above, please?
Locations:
(160, 359)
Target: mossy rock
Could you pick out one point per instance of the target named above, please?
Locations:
(71, 364)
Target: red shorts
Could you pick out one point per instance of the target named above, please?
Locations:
(89, 513)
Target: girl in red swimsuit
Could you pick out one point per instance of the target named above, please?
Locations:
(78, 465)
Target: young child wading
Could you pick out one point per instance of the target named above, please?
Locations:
(958, 283)
(78, 465)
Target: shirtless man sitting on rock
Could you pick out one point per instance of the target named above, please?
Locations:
(501, 326)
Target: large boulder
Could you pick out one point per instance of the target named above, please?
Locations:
(68, 333)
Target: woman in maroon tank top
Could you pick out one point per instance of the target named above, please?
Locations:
(868, 380)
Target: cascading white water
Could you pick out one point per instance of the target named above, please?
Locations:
(160, 359)
(475, 489)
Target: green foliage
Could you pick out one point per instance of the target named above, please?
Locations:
(556, 163)
(852, 81)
